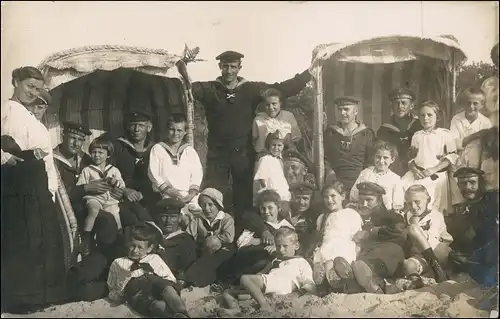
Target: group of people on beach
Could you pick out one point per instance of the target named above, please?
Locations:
(398, 205)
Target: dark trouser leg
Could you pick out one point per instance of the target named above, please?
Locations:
(138, 294)
(203, 271)
(105, 228)
(242, 170)
(85, 280)
(217, 171)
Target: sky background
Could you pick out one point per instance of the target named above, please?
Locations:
(277, 38)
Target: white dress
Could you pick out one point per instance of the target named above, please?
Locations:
(431, 150)
(29, 134)
(339, 229)
(270, 169)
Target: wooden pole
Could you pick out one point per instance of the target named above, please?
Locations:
(318, 151)
(181, 67)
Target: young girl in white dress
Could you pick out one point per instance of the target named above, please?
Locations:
(435, 150)
(336, 228)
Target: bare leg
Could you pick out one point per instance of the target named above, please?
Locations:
(93, 208)
(173, 300)
(232, 304)
(115, 211)
(255, 285)
(418, 239)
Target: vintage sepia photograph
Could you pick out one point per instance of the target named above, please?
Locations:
(206, 159)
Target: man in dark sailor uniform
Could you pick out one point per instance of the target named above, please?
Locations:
(401, 127)
(69, 160)
(86, 280)
(230, 103)
(348, 143)
(474, 227)
(132, 160)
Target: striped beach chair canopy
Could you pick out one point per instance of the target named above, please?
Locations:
(369, 69)
(97, 85)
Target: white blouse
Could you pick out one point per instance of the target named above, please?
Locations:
(340, 225)
(390, 181)
(29, 134)
(431, 147)
(460, 127)
(263, 125)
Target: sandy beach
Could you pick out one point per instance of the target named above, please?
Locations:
(454, 298)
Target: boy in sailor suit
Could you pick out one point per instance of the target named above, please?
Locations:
(175, 169)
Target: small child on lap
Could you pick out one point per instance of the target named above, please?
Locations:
(101, 150)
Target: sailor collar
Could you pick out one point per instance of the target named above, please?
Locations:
(173, 234)
(281, 223)
(58, 156)
(339, 130)
(174, 155)
(393, 126)
(346, 145)
(138, 159)
(129, 144)
(230, 93)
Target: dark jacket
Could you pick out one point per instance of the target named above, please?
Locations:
(230, 112)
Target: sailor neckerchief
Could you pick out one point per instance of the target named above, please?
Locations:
(230, 93)
(345, 145)
(139, 156)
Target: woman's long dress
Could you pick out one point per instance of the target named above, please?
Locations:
(32, 272)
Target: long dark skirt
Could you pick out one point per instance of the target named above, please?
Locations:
(33, 267)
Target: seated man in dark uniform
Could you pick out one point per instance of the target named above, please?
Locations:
(348, 144)
(381, 244)
(177, 248)
(400, 128)
(474, 227)
(87, 279)
(69, 161)
(132, 160)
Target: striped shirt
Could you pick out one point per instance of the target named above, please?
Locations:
(120, 273)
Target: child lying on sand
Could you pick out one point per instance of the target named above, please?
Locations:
(289, 273)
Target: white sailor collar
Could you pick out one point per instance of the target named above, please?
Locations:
(220, 216)
(339, 130)
(281, 223)
(241, 81)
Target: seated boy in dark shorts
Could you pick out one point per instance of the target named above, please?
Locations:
(142, 278)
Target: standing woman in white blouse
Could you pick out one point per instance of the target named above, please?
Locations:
(32, 261)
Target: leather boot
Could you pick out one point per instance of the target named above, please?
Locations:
(366, 278)
(439, 273)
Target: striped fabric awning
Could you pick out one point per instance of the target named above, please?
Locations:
(370, 69)
(69, 65)
(390, 49)
(373, 82)
(97, 85)
(101, 99)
